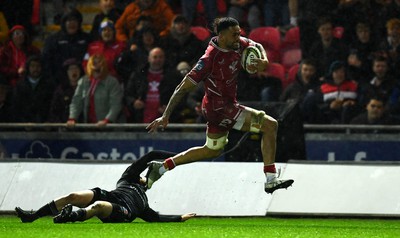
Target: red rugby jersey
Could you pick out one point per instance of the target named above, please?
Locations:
(219, 68)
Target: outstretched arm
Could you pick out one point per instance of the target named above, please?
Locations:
(152, 216)
(181, 90)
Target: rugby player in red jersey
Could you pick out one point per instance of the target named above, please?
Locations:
(218, 68)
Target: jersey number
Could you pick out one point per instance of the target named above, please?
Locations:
(225, 122)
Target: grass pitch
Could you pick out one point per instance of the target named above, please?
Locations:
(10, 226)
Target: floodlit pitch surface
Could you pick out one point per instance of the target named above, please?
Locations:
(10, 226)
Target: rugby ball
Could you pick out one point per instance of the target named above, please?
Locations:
(249, 54)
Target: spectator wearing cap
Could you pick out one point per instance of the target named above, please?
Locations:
(5, 100)
(15, 53)
(339, 95)
(160, 12)
(108, 11)
(107, 46)
(181, 45)
(59, 108)
(69, 42)
(32, 95)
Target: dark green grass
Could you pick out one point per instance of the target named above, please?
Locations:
(10, 226)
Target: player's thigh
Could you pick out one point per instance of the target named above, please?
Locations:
(257, 121)
(101, 209)
(115, 213)
(102, 195)
(79, 199)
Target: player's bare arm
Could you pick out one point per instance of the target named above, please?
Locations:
(180, 91)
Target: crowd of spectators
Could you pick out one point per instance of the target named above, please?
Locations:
(126, 67)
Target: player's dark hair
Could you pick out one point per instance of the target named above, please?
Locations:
(224, 23)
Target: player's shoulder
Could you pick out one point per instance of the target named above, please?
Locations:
(213, 49)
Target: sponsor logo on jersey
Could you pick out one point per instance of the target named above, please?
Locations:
(199, 66)
(233, 67)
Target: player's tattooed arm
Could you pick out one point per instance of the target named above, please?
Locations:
(184, 87)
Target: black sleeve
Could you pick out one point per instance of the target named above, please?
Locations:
(150, 215)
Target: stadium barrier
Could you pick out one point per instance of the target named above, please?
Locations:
(130, 141)
(218, 189)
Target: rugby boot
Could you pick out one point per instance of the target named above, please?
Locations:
(65, 215)
(275, 184)
(26, 216)
(153, 173)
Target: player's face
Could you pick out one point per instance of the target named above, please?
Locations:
(230, 38)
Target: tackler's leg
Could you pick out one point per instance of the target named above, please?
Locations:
(132, 173)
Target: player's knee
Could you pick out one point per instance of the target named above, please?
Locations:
(98, 206)
(270, 124)
(72, 197)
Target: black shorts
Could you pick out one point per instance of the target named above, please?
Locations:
(119, 212)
